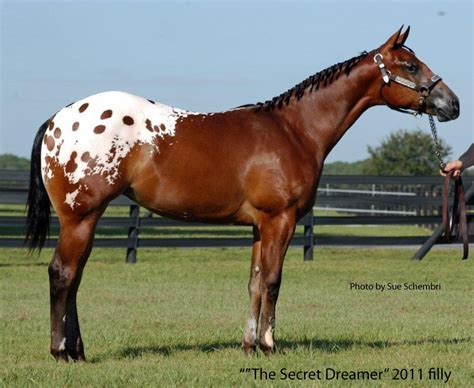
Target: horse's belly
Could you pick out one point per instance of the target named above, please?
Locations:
(188, 193)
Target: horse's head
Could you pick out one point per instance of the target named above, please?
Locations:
(409, 84)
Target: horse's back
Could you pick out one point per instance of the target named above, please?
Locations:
(178, 163)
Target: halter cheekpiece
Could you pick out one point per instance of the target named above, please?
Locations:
(424, 89)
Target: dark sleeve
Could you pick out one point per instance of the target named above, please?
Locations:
(467, 158)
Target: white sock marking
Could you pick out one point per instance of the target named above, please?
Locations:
(252, 329)
(269, 337)
(62, 345)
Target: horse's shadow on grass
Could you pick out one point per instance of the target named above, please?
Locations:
(284, 345)
(31, 264)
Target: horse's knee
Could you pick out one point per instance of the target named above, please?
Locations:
(254, 284)
(60, 275)
(272, 287)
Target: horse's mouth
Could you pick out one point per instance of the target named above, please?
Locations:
(446, 115)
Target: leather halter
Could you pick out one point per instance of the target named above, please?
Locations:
(424, 89)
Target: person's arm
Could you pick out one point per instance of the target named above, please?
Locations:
(465, 160)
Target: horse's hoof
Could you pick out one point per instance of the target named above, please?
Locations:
(76, 352)
(81, 358)
(59, 355)
(77, 357)
(267, 350)
(249, 348)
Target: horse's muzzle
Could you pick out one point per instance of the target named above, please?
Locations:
(448, 111)
(443, 103)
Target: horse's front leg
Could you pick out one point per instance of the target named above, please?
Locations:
(249, 342)
(276, 233)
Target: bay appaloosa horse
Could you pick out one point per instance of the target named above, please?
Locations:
(256, 165)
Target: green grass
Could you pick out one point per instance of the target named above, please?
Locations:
(177, 316)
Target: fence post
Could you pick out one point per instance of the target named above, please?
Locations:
(132, 241)
(308, 233)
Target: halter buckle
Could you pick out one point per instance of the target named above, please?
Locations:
(378, 59)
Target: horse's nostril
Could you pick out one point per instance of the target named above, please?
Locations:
(455, 105)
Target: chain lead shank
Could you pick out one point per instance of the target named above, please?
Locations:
(437, 147)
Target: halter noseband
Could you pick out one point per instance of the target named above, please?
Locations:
(424, 89)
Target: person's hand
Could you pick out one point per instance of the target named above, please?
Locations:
(455, 166)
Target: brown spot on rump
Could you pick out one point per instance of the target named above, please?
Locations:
(50, 143)
(83, 107)
(112, 153)
(57, 133)
(106, 114)
(58, 147)
(156, 128)
(51, 124)
(45, 138)
(99, 129)
(71, 165)
(75, 126)
(85, 157)
(163, 127)
(48, 160)
(127, 120)
(91, 164)
(148, 125)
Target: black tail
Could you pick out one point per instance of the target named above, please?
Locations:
(39, 211)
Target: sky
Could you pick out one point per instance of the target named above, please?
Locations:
(215, 55)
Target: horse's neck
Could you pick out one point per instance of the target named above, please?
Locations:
(322, 117)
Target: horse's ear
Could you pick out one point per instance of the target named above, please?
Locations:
(393, 40)
(403, 37)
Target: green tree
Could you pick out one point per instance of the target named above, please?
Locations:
(13, 162)
(346, 168)
(406, 153)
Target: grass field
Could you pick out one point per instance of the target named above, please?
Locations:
(177, 316)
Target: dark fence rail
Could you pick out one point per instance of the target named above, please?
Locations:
(337, 191)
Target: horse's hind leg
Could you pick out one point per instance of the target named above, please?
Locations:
(249, 342)
(65, 272)
(74, 344)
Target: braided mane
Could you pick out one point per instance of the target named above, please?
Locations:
(314, 82)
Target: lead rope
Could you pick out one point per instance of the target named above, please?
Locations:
(459, 215)
(437, 146)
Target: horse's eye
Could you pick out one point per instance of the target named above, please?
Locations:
(412, 68)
